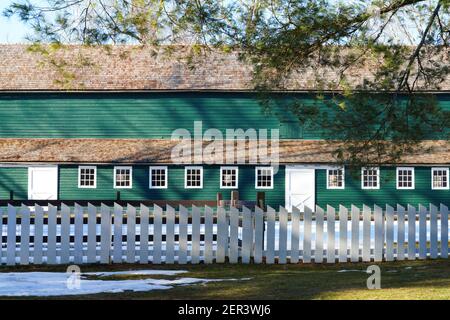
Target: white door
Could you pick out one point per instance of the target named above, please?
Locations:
(43, 183)
(300, 188)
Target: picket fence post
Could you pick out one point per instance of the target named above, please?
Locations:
(247, 235)
(208, 250)
(307, 235)
(295, 235)
(105, 234)
(195, 251)
(51, 234)
(318, 250)
(143, 237)
(157, 234)
(25, 235)
(259, 235)
(270, 252)
(444, 231)
(400, 232)
(92, 234)
(282, 237)
(354, 251)
(170, 235)
(38, 234)
(118, 233)
(222, 234)
(131, 234)
(78, 234)
(331, 253)
(183, 234)
(343, 219)
(411, 232)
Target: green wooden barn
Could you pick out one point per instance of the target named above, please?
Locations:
(110, 135)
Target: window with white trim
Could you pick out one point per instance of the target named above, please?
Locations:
(123, 177)
(87, 177)
(405, 178)
(439, 178)
(158, 177)
(370, 178)
(264, 177)
(336, 178)
(228, 177)
(193, 177)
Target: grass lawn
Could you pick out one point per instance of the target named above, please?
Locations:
(428, 279)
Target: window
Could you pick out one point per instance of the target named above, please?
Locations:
(158, 177)
(228, 177)
(370, 178)
(405, 178)
(123, 177)
(264, 177)
(87, 177)
(335, 178)
(193, 177)
(439, 178)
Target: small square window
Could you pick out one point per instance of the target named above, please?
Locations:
(228, 177)
(405, 178)
(335, 178)
(370, 178)
(87, 177)
(264, 177)
(123, 177)
(158, 177)
(439, 179)
(193, 177)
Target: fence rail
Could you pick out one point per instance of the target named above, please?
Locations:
(142, 234)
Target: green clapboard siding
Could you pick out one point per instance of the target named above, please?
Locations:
(387, 194)
(148, 115)
(13, 179)
(105, 191)
(126, 115)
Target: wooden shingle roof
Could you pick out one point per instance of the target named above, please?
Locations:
(159, 151)
(142, 68)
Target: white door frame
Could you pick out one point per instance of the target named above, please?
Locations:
(288, 170)
(30, 175)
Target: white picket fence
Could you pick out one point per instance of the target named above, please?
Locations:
(46, 235)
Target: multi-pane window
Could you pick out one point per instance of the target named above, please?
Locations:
(370, 178)
(87, 177)
(405, 178)
(335, 178)
(193, 177)
(439, 178)
(123, 177)
(158, 177)
(264, 177)
(228, 177)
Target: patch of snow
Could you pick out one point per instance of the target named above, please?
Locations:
(136, 273)
(45, 284)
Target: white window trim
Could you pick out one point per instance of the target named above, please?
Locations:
(343, 178)
(413, 175)
(256, 177)
(448, 182)
(131, 177)
(201, 177)
(221, 176)
(378, 178)
(166, 182)
(79, 177)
